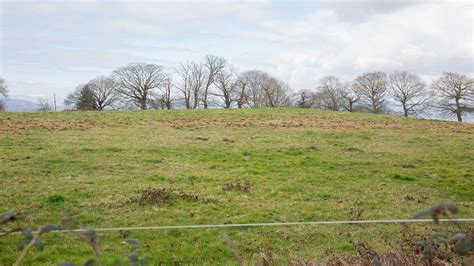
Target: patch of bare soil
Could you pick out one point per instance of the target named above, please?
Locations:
(8, 125)
(316, 123)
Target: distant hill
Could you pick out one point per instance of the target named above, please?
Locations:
(17, 105)
(23, 105)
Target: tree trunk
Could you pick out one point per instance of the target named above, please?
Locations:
(196, 101)
(405, 111)
(205, 97)
(143, 105)
(458, 110)
(351, 109)
(187, 101)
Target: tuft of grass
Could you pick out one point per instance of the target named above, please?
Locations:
(55, 199)
(113, 149)
(152, 160)
(403, 177)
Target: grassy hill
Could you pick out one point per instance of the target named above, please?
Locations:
(292, 164)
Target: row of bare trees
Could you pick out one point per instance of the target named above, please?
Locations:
(214, 82)
(452, 94)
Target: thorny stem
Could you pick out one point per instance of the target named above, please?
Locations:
(6, 233)
(234, 251)
(96, 250)
(25, 250)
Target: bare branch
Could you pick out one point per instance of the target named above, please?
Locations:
(136, 82)
(408, 90)
(213, 65)
(455, 94)
(373, 89)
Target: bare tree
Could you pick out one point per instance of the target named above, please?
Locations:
(329, 95)
(191, 82)
(3, 88)
(136, 82)
(4, 93)
(242, 86)
(455, 94)
(213, 65)
(44, 105)
(184, 83)
(351, 96)
(255, 82)
(276, 92)
(97, 94)
(198, 77)
(263, 90)
(409, 91)
(227, 85)
(104, 90)
(373, 89)
(166, 97)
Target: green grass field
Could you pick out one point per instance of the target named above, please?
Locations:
(303, 165)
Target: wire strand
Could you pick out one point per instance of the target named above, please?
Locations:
(264, 224)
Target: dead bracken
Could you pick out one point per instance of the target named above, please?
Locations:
(352, 149)
(160, 196)
(238, 186)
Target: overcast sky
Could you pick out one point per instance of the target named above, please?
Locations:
(52, 46)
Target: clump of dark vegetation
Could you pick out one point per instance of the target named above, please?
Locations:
(298, 150)
(238, 186)
(153, 160)
(408, 197)
(160, 196)
(407, 165)
(201, 138)
(312, 148)
(352, 149)
(355, 214)
(55, 199)
(192, 180)
(114, 149)
(403, 177)
(228, 140)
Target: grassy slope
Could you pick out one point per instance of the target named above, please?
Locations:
(306, 165)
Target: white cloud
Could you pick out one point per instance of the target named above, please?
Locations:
(58, 44)
(424, 38)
